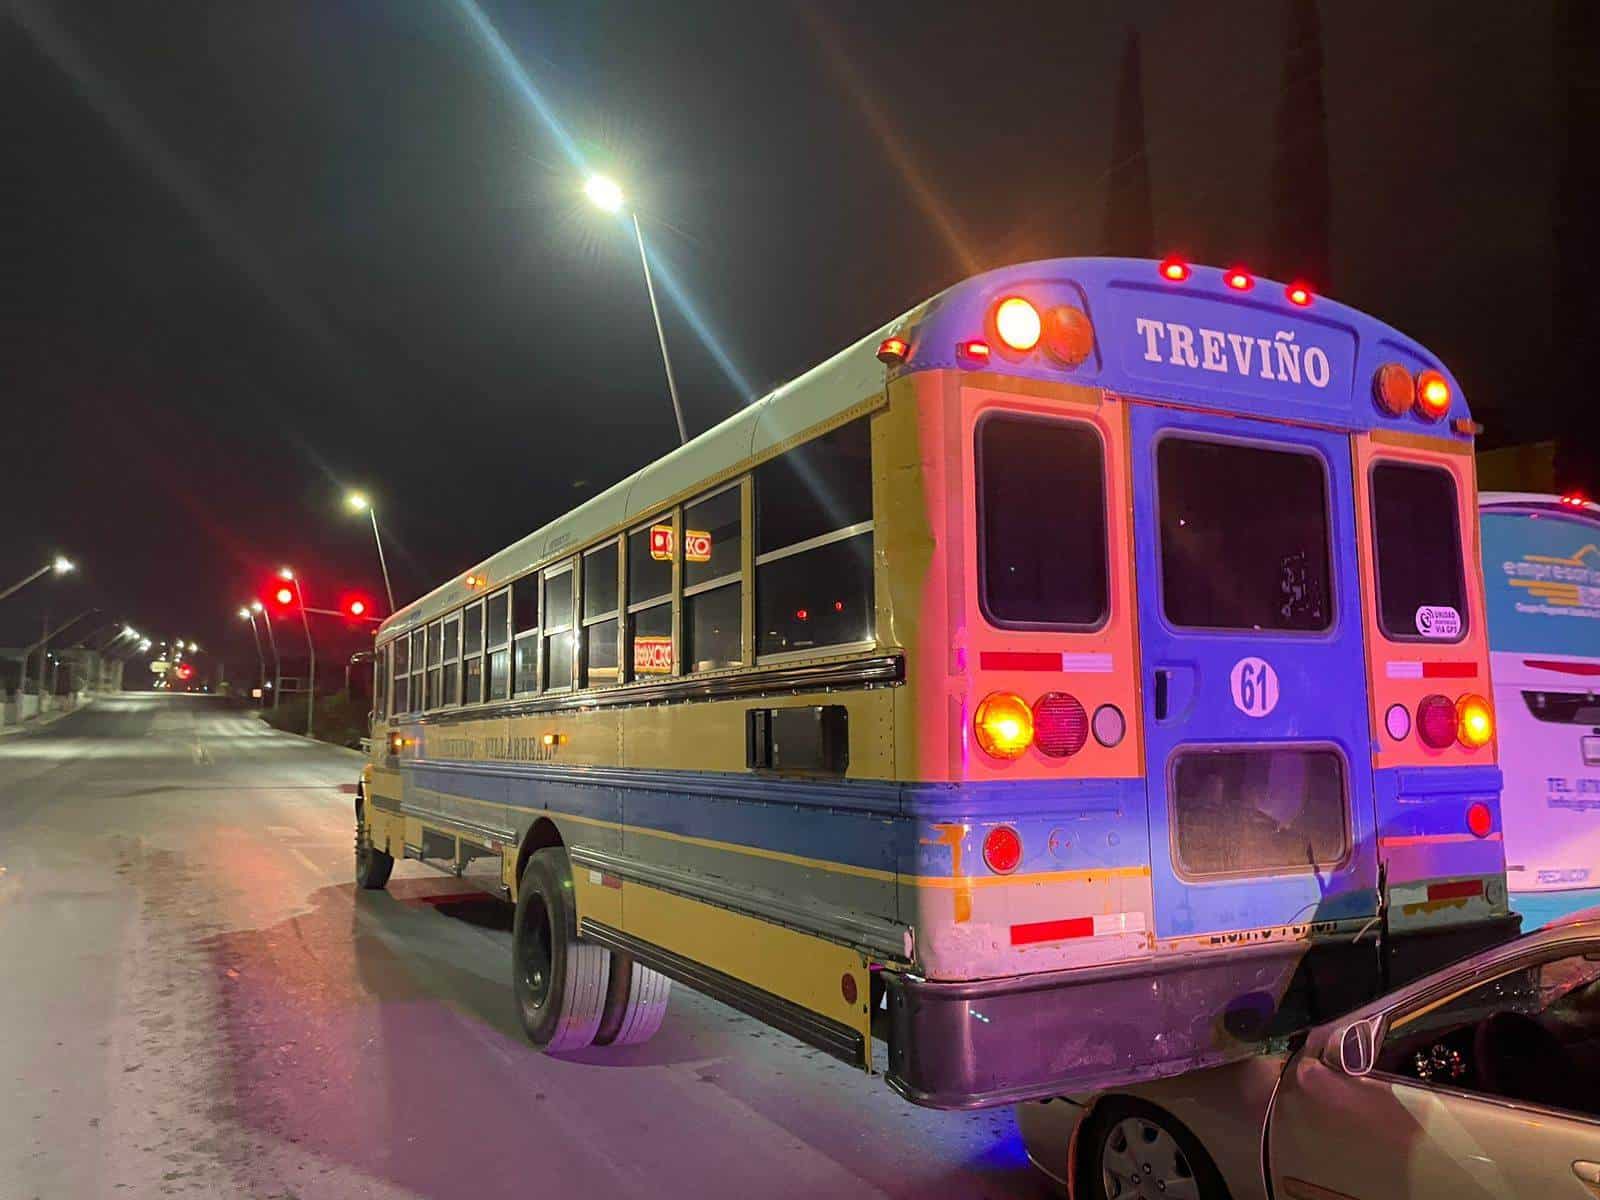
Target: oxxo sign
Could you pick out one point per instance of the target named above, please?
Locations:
(696, 544)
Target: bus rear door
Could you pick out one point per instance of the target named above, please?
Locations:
(1254, 678)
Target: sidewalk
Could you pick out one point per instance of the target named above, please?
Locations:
(45, 721)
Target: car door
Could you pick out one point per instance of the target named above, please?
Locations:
(1257, 735)
(1456, 1097)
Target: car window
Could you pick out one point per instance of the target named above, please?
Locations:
(1531, 1034)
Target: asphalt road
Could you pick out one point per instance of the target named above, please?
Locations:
(195, 999)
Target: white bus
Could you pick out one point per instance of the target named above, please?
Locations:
(1541, 566)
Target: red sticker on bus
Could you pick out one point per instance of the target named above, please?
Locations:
(652, 656)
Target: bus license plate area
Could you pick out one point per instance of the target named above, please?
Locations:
(1591, 751)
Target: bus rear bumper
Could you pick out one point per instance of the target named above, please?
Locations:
(979, 1043)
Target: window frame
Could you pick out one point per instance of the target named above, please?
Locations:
(743, 576)
(433, 663)
(567, 566)
(617, 543)
(1465, 611)
(981, 542)
(1331, 629)
(481, 606)
(674, 516)
(490, 649)
(1194, 749)
(450, 664)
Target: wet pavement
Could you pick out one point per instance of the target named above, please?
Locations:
(194, 999)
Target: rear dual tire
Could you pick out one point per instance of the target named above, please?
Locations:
(636, 1004)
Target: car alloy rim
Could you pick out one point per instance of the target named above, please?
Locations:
(1141, 1159)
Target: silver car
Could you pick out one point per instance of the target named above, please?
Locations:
(1479, 1080)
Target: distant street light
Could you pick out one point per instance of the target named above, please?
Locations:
(59, 565)
(311, 649)
(255, 635)
(606, 194)
(358, 502)
(277, 663)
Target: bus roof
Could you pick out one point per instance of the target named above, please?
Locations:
(1195, 341)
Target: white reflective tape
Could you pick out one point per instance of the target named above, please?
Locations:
(1404, 670)
(1127, 922)
(1086, 664)
(596, 878)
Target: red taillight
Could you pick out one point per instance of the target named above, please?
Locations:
(893, 350)
(1436, 721)
(1574, 500)
(1239, 281)
(1174, 270)
(1480, 819)
(974, 350)
(1060, 725)
(1002, 849)
(1298, 293)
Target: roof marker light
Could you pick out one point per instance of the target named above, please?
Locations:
(1298, 293)
(893, 350)
(1393, 389)
(1018, 324)
(1239, 281)
(1175, 270)
(1433, 395)
(974, 350)
(1574, 500)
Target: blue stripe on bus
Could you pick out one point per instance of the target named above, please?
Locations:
(876, 825)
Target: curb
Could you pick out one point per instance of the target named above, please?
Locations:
(315, 741)
(36, 723)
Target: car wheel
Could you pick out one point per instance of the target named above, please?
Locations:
(372, 865)
(1135, 1151)
(559, 982)
(636, 1004)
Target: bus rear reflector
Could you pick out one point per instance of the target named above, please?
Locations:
(1436, 721)
(1393, 389)
(1480, 819)
(1004, 725)
(1474, 721)
(1458, 889)
(973, 351)
(1060, 725)
(1002, 849)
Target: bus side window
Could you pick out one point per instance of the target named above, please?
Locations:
(650, 650)
(497, 640)
(419, 673)
(380, 681)
(1416, 537)
(600, 615)
(435, 688)
(525, 634)
(814, 544)
(401, 698)
(559, 639)
(713, 575)
(472, 653)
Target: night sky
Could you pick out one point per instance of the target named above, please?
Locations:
(259, 253)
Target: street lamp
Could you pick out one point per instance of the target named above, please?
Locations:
(606, 194)
(277, 664)
(60, 565)
(255, 635)
(311, 687)
(357, 502)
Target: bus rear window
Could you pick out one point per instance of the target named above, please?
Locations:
(1259, 811)
(1416, 529)
(1244, 536)
(1041, 522)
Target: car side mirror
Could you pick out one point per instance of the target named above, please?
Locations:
(1356, 1046)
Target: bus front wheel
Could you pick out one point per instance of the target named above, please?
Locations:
(560, 982)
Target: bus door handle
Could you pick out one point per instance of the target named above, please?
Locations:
(1173, 691)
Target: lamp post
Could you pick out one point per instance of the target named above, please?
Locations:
(311, 686)
(277, 663)
(261, 663)
(357, 502)
(606, 194)
(60, 565)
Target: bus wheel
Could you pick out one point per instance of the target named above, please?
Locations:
(636, 1003)
(372, 865)
(1134, 1149)
(560, 982)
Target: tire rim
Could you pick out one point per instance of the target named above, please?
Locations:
(1140, 1158)
(533, 954)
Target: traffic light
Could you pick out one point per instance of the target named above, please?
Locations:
(284, 596)
(356, 607)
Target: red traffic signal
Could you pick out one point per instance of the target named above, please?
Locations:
(284, 596)
(357, 607)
